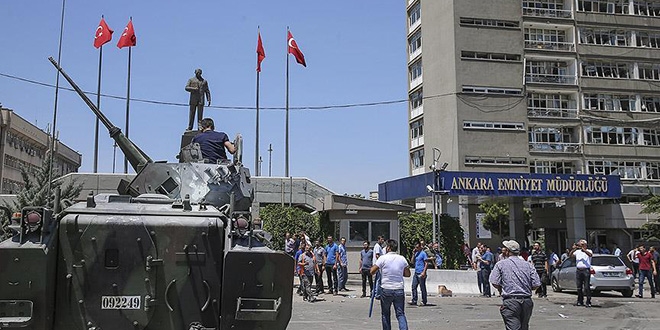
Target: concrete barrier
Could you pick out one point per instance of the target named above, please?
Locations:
(461, 282)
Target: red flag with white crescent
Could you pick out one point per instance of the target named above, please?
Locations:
(127, 38)
(294, 50)
(261, 53)
(103, 34)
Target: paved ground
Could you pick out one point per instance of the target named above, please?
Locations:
(348, 311)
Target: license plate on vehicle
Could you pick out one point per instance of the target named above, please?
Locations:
(610, 274)
(121, 302)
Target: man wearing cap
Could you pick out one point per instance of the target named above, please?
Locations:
(582, 276)
(515, 279)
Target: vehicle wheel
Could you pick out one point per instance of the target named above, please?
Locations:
(555, 285)
(627, 293)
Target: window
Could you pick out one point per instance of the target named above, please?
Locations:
(605, 69)
(417, 158)
(603, 6)
(417, 129)
(470, 55)
(414, 14)
(548, 72)
(487, 161)
(609, 102)
(651, 137)
(493, 125)
(493, 23)
(612, 135)
(415, 42)
(416, 99)
(551, 167)
(379, 228)
(544, 4)
(649, 71)
(624, 169)
(492, 90)
(415, 70)
(549, 101)
(646, 8)
(605, 37)
(648, 39)
(358, 231)
(551, 135)
(651, 103)
(653, 171)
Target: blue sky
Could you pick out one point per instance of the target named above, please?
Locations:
(355, 52)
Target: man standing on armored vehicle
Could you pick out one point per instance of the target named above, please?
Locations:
(212, 143)
(198, 88)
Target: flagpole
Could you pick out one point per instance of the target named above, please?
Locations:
(57, 89)
(98, 105)
(256, 145)
(128, 100)
(286, 152)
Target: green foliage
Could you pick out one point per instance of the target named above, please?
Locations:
(416, 226)
(451, 241)
(35, 192)
(497, 218)
(412, 228)
(278, 220)
(4, 222)
(652, 228)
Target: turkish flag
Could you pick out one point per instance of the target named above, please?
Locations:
(127, 38)
(293, 49)
(103, 34)
(261, 53)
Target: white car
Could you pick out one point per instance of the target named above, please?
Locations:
(608, 273)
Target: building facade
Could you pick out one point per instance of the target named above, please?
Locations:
(24, 146)
(539, 86)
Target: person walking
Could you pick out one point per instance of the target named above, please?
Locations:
(515, 279)
(308, 269)
(393, 268)
(646, 268)
(419, 260)
(582, 276)
(366, 262)
(476, 252)
(540, 263)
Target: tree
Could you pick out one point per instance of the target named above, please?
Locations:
(278, 220)
(412, 228)
(451, 242)
(496, 218)
(416, 226)
(652, 206)
(35, 192)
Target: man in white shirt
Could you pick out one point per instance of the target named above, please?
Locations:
(633, 257)
(393, 267)
(476, 252)
(582, 276)
(378, 252)
(617, 251)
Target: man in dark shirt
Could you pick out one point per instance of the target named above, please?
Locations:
(366, 261)
(540, 263)
(212, 143)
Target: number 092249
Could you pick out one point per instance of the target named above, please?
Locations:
(121, 302)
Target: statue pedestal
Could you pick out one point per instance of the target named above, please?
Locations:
(186, 139)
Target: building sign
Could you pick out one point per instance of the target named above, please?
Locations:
(482, 232)
(529, 185)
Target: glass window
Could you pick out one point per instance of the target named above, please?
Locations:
(358, 231)
(379, 228)
(414, 14)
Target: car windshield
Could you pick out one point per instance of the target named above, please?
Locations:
(606, 261)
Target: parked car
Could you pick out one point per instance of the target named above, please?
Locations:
(608, 273)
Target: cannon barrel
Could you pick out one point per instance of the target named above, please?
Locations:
(133, 153)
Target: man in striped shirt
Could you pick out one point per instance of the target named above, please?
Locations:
(515, 279)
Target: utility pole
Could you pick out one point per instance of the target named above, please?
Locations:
(270, 159)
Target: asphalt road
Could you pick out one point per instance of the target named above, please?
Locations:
(609, 311)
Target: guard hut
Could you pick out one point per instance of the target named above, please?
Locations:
(458, 194)
(360, 219)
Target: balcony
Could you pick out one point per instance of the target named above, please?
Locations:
(545, 78)
(535, 112)
(416, 82)
(416, 142)
(416, 112)
(547, 12)
(555, 147)
(549, 45)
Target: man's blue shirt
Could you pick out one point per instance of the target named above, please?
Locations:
(420, 261)
(212, 145)
(331, 253)
(488, 256)
(297, 257)
(367, 257)
(342, 255)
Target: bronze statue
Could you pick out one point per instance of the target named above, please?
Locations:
(198, 88)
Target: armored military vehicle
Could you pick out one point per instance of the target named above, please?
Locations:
(173, 249)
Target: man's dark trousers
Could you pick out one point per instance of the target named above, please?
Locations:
(485, 274)
(366, 274)
(582, 278)
(421, 281)
(516, 312)
(332, 277)
(318, 277)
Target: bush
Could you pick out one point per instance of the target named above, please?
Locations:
(416, 226)
(278, 220)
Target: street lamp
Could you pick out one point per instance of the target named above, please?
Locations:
(434, 190)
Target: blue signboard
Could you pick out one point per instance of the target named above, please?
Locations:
(502, 184)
